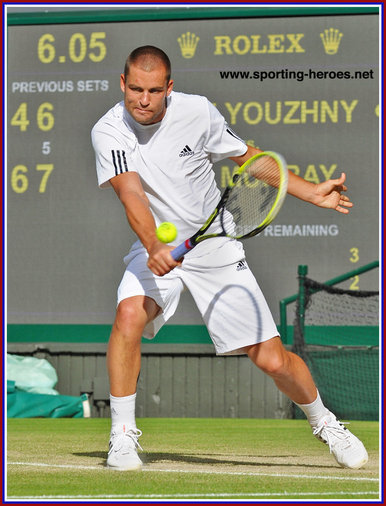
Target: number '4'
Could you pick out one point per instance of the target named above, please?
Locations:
(19, 119)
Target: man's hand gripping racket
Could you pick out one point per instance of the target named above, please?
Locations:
(248, 205)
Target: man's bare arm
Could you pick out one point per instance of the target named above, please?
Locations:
(328, 194)
(129, 190)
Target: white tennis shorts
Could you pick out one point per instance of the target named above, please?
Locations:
(223, 287)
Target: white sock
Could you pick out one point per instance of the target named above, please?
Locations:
(123, 412)
(314, 411)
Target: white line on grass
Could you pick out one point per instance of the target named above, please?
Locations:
(233, 473)
(185, 496)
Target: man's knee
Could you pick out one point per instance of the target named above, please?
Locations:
(135, 313)
(128, 316)
(271, 358)
(274, 366)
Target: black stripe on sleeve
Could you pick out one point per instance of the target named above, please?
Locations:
(124, 161)
(114, 162)
(119, 161)
(231, 132)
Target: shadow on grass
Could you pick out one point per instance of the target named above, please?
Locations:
(288, 461)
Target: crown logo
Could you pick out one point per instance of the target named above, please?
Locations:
(188, 44)
(331, 38)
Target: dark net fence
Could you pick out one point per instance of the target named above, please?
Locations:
(336, 332)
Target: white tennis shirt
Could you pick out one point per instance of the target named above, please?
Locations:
(174, 158)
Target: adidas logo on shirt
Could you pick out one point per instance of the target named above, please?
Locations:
(186, 151)
(241, 266)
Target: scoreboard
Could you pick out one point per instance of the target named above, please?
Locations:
(305, 86)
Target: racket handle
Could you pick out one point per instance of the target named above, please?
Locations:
(178, 252)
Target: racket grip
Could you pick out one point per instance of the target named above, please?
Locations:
(178, 252)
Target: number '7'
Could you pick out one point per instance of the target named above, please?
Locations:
(47, 168)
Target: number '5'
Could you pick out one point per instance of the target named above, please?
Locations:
(46, 148)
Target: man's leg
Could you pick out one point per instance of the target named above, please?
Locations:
(292, 377)
(123, 363)
(124, 348)
(289, 372)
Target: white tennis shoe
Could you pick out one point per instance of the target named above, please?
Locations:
(123, 447)
(347, 449)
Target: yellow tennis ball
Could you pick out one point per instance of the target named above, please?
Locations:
(166, 232)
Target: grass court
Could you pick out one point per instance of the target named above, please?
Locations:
(185, 459)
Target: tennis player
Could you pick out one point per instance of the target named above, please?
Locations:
(156, 149)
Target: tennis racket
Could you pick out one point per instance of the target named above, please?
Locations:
(248, 205)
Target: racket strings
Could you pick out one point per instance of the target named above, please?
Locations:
(253, 198)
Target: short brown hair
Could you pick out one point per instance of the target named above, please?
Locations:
(148, 56)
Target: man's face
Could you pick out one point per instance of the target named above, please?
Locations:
(145, 93)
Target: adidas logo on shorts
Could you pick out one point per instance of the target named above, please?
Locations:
(241, 266)
(186, 151)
